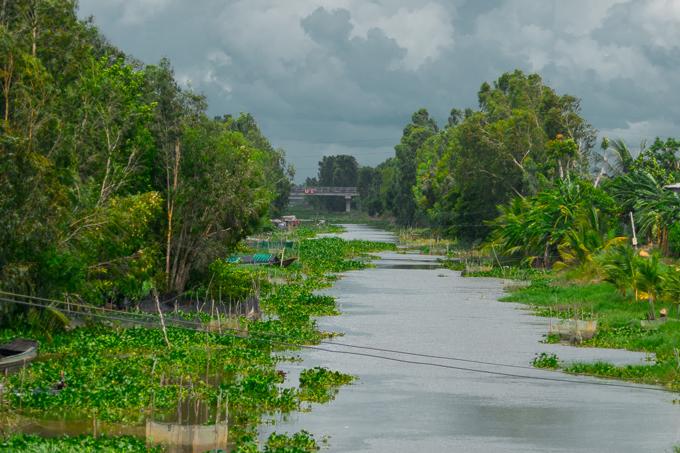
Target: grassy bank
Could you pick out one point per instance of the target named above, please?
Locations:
(123, 375)
(619, 326)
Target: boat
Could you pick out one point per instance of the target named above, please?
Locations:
(17, 353)
(287, 262)
(266, 259)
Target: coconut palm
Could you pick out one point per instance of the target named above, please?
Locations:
(655, 208)
(623, 157)
(615, 158)
(590, 235)
(671, 286)
(571, 221)
(619, 267)
(650, 280)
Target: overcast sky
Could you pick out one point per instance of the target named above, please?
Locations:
(343, 76)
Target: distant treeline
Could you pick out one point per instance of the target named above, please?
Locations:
(113, 179)
(526, 159)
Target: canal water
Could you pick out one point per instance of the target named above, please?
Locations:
(406, 303)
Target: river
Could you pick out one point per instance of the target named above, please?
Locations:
(406, 304)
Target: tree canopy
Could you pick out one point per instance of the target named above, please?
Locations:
(115, 180)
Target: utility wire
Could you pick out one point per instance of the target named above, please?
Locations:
(392, 359)
(190, 324)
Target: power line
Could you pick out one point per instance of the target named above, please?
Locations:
(190, 324)
(393, 359)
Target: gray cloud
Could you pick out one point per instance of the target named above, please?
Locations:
(327, 76)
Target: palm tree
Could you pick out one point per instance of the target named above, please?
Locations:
(671, 286)
(616, 158)
(650, 280)
(569, 221)
(623, 156)
(581, 244)
(620, 267)
(655, 208)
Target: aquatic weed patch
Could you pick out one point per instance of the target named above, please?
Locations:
(299, 298)
(332, 254)
(26, 443)
(119, 374)
(300, 442)
(545, 360)
(320, 385)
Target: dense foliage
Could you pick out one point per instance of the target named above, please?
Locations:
(523, 137)
(115, 181)
(125, 375)
(335, 171)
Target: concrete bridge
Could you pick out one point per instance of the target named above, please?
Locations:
(299, 193)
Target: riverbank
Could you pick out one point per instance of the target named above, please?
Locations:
(406, 303)
(618, 327)
(122, 377)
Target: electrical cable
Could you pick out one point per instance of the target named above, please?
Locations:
(393, 359)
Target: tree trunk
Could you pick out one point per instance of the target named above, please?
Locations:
(652, 311)
(3, 13)
(6, 86)
(34, 30)
(171, 205)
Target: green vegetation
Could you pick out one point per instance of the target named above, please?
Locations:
(118, 186)
(115, 180)
(618, 326)
(124, 374)
(79, 444)
(301, 442)
(518, 190)
(544, 360)
(320, 385)
(523, 137)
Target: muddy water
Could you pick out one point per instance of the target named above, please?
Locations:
(405, 304)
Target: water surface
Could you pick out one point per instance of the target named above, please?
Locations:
(397, 407)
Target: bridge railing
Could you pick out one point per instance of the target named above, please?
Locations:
(325, 190)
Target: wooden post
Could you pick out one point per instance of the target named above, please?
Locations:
(160, 313)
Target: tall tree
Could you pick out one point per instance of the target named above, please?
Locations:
(524, 137)
(415, 134)
(337, 171)
(278, 175)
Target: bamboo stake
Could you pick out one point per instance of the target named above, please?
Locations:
(160, 313)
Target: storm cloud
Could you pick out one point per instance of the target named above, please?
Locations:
(343, 76)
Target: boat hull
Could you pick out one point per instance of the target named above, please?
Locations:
(17, 354)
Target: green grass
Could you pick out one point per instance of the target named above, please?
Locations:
(618, 327)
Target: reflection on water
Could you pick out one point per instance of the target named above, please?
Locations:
(398, 407)
(192, 427)
(408, 266)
